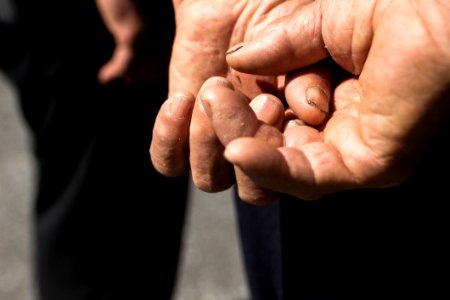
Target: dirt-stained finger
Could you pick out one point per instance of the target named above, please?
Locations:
(170, 141)
(210, 171)
(232, 119)
(308, 93)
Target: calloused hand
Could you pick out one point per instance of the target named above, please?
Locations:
(392, 101)
(227, 110)
(183, 136)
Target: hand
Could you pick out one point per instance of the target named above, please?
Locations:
(393, 99)
(205, 31)
(231, 117)
(142, 37)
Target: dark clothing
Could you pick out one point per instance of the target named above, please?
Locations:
(362, 244)
(107, 225)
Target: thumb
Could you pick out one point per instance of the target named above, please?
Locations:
(291, 42)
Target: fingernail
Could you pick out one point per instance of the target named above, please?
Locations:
(267, 108)
(316, 97)
(294, 123)
(180, 106)
(206, 107)
(234, 49)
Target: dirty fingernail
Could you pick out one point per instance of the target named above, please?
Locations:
(316, 97)
(294, 123)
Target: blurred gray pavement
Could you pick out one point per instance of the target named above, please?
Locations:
(211, 266)
(16, 188)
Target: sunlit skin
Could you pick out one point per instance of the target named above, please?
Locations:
(205, 32)
(380, 117)
(397, 53)
(199, 52)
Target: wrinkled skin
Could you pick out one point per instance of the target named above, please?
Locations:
(383, 113)
(396, 55)
(205, 32)
(140, 56)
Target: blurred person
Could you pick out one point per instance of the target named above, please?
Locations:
(91, 77)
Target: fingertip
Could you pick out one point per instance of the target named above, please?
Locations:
(180, 105)
(271, 59)
(240, 150)
(169, 144)
(209, 91)
(269, 109)
(317, 97)
(169, 170)
(308, 94)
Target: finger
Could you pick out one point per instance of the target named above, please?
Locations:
(308, 91)
(234, 118)
(291, 170)
(210, 171)
(249, 190)
(291, 42)
(170, 141)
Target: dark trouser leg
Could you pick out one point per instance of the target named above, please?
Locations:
(260, 231)
(107, 225)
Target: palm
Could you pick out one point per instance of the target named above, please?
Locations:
(376, 130)
(340, 148)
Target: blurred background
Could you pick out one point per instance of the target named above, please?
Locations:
(211, 265)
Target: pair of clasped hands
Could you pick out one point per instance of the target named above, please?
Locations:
(302, 97)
